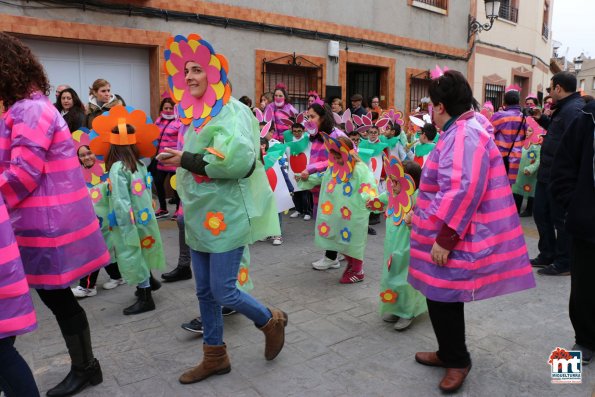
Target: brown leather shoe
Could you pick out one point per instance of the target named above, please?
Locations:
(274, 334)
(429, 358)
(453, 379)
(214, 362)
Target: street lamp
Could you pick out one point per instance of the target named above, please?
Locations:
(578, 64)
(492, 8)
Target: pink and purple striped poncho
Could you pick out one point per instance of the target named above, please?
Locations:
(464, 184)
(47, 200)
(17, 315)
(506, 124)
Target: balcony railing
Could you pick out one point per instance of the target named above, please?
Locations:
(545, 31)
(509, 13)
(443, 4)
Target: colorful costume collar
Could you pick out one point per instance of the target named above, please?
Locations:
(145, 136)
(96, 173)
(401, 203)
(341, 173)
(181, 50)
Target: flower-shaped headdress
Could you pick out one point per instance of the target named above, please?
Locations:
(437, 72)
(535, 137)
(394, 116)
(488, 109)
(346, 120)
(145, 136)
(96, 173)
(265, 129)
(263, 117)
(341, 173)
(289, 118)
(513, 87)
(181, 50)
(398, 204)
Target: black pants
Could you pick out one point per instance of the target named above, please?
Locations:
(554, 242)
(448, 321)
(302, 201)
(90, 280)
(63, 305)
(518, 201)
(16, 379)
(184, 256)
(160, 178)
(582, 299)
(331, 254)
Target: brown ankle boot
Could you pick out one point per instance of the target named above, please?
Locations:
(274, 333)
(214, 362)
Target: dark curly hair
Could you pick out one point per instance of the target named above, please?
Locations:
(20, 72)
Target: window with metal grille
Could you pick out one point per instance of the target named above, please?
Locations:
(297, 73)
(364, 80)
(509, 11)
(495, 94)
(443, 4)
(419, 87)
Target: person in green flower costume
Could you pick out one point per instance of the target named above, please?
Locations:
(346, 187)
(524, 186)
(399, 301)
(122, 137)
(227, 201)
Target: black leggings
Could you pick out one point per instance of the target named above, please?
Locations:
(331, 254)
(64, 306)
(16, 379)
(90, 280)
(160, 178)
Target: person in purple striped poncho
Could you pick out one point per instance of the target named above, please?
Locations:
(17, 315)
(48, 203)
(466, 240)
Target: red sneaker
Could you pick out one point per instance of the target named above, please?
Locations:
(351, 277)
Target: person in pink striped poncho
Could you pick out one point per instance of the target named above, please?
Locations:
(466, 241)
(48, 203)
(17, 315)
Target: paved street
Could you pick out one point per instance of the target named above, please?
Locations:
(336, 344)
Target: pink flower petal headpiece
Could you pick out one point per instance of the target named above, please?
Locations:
(393, 116)
(181, 50)
(513, 87)
(437, 72)
(364, 122)
(346, 120)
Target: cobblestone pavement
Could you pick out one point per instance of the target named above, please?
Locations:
(336, 344)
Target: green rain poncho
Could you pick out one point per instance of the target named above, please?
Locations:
(136, 236)
(225, 210)
(525, 184)
(342, 220)
(397, 296)
(99, 196)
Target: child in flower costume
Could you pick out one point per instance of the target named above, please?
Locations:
(122, 137)
(226, 198)
(399, 301)
(524, 186)
(346, 187)
(96, 176)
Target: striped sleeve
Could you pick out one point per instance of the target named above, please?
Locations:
(30, 139)
(462, 181)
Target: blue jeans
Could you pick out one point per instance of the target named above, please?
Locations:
(16, 379)
(215, 276)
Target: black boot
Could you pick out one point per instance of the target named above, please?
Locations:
(179, 273)
(528, 209)
(143, 304)
(155, 284)
(85, 369)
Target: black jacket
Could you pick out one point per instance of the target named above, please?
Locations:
(564, 112)
(573, 175)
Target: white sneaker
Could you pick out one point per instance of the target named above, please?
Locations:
(307, 217)
(326, 263)
(340, 257)
(111, 284)
(403, 323)
(294, 215)
(277, 240)
(81, 292)
(390, 318)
